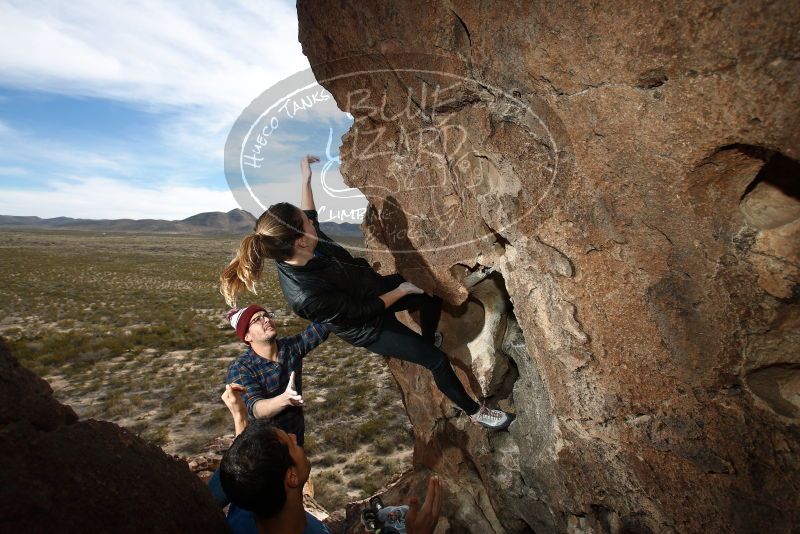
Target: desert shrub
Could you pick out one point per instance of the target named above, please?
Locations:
(218, 418)
(339, 436)
(384, 444)
(369, 430)
(389, 467)
(327, 379)
(310, 444)
(330, 494)
(330, 475)
(359, 404)
(158, 435)
(361, 388)
(360, 464)
(326, 460)
(180, 404)
(353, 360)
(367, 485)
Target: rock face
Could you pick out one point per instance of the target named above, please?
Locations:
(608, 198)
(59, 474)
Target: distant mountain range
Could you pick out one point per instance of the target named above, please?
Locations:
(211, 223)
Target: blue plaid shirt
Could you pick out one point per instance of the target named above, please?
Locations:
(265, 379)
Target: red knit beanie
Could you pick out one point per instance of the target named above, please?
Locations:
(240, 319)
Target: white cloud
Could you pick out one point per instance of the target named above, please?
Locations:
(59, 157)
(104, 198)
(214, 55)
(5, 130)
(202, 62)
(13, 171)
(56, 157)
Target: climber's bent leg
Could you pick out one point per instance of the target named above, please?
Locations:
(398, 341)
(429, 307)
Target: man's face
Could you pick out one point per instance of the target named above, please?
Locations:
(298, 455)
(261, 329)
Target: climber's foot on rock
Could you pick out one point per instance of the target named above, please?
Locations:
(492, 419)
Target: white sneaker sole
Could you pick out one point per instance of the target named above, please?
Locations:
(509, 419)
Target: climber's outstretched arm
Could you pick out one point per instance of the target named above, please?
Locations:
(306, 194)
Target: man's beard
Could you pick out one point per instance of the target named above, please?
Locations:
(270, 339)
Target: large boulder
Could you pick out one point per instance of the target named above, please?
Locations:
(607, 197)
(60, 474)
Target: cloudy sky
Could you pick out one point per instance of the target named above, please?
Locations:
(121, 109)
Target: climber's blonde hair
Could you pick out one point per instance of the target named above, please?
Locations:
(273, 238)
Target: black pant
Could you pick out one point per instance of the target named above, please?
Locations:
(398, 341)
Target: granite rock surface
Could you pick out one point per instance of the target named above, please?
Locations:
(608, 199)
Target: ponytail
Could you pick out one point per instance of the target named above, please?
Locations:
(243, 271)
(275, 233)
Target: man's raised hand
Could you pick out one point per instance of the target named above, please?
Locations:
(290, 395)
(424, 520)
(232, 397)
(305, 166)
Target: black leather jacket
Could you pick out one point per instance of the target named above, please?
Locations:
(335, 288)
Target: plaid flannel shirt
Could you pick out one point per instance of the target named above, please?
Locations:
(265, 379)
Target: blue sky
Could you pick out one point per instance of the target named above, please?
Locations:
(121, 110)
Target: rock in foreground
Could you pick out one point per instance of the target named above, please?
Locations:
(59, 474)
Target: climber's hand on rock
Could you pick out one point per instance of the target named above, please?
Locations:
(290, 396)
(423, 520)
(410, 289)
(232, 397)
(305, 166)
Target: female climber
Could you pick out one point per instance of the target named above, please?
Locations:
(323, 282)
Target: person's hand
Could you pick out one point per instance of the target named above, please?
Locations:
(232, 397)
(424, 520)
(290, 396)
(409, 288)
(305, 166)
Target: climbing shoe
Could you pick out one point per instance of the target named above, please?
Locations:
(492, 419)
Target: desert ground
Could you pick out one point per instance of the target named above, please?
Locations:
(130, 328)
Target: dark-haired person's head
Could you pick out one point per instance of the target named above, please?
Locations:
(262, 467)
